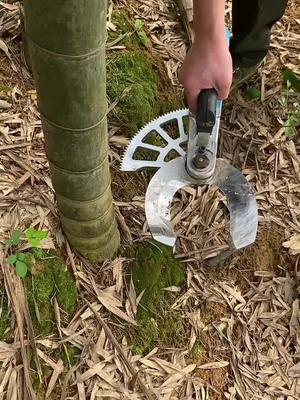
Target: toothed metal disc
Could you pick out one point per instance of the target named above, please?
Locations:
(164, 145)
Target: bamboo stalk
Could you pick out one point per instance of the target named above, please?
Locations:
(66, 41)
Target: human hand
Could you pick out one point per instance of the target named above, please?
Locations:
(208, 64)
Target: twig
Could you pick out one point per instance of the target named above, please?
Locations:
(248, 151)
(115, 343)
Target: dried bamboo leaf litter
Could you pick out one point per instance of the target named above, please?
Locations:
(248, 313)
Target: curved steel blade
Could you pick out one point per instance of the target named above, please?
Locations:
(172, 176)
(241, 203)
(160, 192)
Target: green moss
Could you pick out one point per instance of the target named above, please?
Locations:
(196, 351)
(137, 82)
(38, 254)
(153, 269)
(127, 34)
(121, 20)
(4, 317)
(172, 329)
(200, 345)
(49, 279)
(42, 286)
(4, 89)
(136, 79)
(4, 325)
(44, 320)
(69, 355)
(132, 81)
(124, 34)
(65, 287)
(38, 386)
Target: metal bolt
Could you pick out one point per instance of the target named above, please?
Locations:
(200, 161)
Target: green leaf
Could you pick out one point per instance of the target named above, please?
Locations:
(11, 259)
(292, 122)
(288, 130)
(138, 24)
(15, 238)
(34, 237)
(291, 79)
(30, 233)
(21, 269)
(253, 93)
(34, 242)
(143, 38)
(21, 256)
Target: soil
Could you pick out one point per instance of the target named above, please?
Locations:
(266, 254)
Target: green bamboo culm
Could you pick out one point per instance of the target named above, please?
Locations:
(66, 40)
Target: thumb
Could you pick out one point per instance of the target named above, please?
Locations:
(191, 99)
(223, 91)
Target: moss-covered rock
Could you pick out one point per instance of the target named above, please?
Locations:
(49, 279)
(133, 82)
(153, 269)
(136, 79)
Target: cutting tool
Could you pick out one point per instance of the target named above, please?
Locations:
(186, 155)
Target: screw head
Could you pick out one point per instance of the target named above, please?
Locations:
(200, 161)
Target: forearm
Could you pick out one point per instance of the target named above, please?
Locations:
(209, 18)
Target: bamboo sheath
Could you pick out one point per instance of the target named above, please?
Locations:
(66, 40)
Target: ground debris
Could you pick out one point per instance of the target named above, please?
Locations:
(243, 321)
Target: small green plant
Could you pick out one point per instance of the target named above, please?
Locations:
(34, 237)
(253, 93)
(292, 109)
(292, 123)
(18, 260)
(291, 77)
(138, 26)
(15, 238)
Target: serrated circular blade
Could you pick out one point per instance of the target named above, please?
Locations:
(129, 163)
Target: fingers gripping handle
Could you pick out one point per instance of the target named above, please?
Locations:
(206, 110)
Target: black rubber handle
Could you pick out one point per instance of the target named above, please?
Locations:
(206, 110)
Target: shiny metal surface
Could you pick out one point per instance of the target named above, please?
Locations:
(173, 176)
